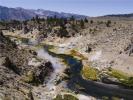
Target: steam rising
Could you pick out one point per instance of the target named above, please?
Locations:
(58, 69)
(55, 62)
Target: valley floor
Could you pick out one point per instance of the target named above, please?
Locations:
(107, 54)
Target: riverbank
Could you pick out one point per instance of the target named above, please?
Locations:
(97, 89)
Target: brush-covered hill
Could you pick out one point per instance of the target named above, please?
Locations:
(121, 15)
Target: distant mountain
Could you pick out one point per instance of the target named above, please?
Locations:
(24, 14)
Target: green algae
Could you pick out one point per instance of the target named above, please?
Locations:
(90, 73)
(121, 76)
(65, 97)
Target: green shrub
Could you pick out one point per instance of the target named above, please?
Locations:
(91, 22)
(108, 23)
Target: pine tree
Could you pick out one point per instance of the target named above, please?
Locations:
(33, 19)
(86, 20)
(63, 32)
(72, 18)
(82, 25)
(37, 19)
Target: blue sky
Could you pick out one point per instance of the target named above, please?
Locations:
(85, 7)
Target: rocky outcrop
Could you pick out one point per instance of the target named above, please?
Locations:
(5, 61)
(38, 75)
(44, 70)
